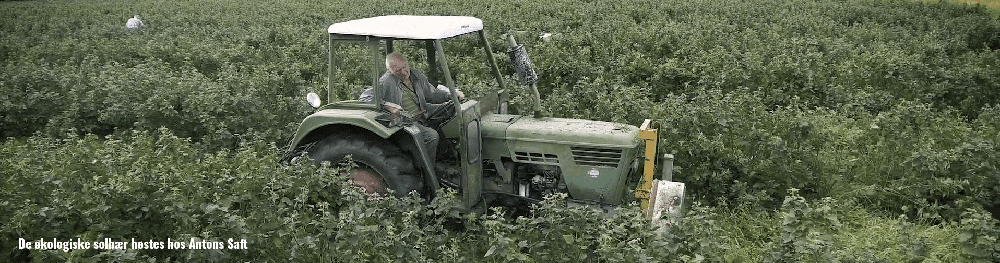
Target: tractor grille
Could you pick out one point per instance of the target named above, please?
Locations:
(596, 156)
(536, 157)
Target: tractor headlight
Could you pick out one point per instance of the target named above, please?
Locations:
(313, 100)
(635, 165)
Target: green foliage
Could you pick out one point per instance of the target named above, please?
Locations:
(697, 237)
(197, 69)
(943, 164)
(980, 236)
(807, 231)
(558, 232)
(154, 186)
(733, 148)
(258, 67)
(830, 230)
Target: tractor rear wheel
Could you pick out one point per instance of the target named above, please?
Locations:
(381, 165)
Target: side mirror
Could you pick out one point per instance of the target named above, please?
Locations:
(313, 100)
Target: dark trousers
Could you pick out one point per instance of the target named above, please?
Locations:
(430, 139)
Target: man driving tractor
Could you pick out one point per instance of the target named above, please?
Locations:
(493, 156)
(408, 92)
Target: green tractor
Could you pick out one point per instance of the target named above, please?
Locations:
(487, 155)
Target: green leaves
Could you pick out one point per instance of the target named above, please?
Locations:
(980, 236)
(153, 186)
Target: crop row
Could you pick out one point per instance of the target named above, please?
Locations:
(156, 186)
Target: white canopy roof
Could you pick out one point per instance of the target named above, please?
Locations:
(411, 27)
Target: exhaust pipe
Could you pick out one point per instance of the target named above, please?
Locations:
(668, 167)
(522, 64)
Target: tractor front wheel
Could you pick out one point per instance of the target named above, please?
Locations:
(381, 165)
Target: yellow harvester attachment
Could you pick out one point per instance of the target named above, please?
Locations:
(648, 134)
(662, 200)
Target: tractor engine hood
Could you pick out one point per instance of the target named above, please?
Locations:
(595, 157)
(573, 132)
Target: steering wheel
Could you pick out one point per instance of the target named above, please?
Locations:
(443, 108)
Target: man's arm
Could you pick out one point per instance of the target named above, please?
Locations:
(431, 94)
(446, 90)
(435, 95)
(387, 89)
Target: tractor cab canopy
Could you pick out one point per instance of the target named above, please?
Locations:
(409, 27)
(427, 31)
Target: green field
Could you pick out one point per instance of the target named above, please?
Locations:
(805, 130)
(991, 4)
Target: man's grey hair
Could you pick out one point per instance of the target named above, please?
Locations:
(393, 58)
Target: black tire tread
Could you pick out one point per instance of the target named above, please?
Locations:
(395, 166)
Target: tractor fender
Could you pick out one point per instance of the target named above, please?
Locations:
(317, 126)
(408, 140)
(326, 122)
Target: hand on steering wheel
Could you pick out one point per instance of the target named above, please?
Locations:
(443, 108)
